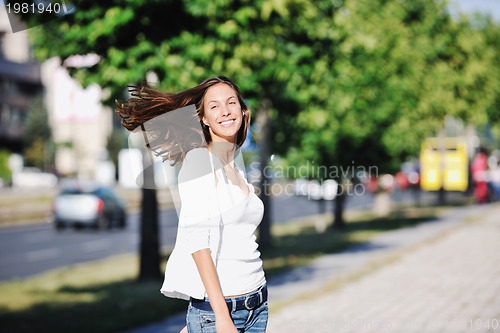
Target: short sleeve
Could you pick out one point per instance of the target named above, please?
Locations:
(197, 194)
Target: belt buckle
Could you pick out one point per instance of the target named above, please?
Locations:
(254, 299)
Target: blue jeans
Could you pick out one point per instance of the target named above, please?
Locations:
(246, 321)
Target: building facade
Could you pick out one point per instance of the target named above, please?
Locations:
(20, 83)
(80, 124)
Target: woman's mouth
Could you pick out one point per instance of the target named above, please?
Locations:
(227, 123)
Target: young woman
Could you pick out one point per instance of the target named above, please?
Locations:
(215, 263)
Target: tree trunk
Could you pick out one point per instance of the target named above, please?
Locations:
(321, 206)
(149, 267)
(441, 194)
(265, 238)
(149, 256)
(338, 222)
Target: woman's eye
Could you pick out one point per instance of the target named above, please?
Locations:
(213, 107)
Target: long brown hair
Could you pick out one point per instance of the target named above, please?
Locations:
(173, 143)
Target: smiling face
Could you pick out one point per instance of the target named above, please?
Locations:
(222, 113)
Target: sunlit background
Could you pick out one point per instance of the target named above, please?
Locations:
(381, 112)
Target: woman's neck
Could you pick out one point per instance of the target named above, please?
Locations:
(223, 150)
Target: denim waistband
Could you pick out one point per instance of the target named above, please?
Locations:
(249, 301)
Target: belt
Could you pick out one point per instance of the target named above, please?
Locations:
(247, 302)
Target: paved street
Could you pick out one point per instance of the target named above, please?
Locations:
(447, 283)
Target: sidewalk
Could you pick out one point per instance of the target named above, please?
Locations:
(449, 282)
(441, 276)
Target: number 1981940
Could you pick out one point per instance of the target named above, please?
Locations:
(32, 8)
(480, 324)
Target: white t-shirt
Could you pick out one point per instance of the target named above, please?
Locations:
(239, 265)
(215, 214)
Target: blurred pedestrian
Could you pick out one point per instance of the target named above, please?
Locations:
(495, 180)
(479, 169)
(215, 263)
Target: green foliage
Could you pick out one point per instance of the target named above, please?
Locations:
(397, 70)
(117, 140)
(37, 122)
(39, 147)
(36, 153)
(361, 81)
(5, 171)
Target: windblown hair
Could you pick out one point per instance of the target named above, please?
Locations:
(173, 141)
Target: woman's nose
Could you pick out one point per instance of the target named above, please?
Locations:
(225, 111)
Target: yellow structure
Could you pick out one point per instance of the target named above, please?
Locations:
(444, 164)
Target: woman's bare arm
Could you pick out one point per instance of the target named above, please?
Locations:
(208, 273)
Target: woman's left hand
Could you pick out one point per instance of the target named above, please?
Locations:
(225, 326)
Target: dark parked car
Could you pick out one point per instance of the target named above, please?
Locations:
(88, 206)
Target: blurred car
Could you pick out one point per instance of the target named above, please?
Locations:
(88, 206)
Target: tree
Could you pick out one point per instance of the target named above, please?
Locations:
(117, 140)
(395, 70)
(39, 147)
(5, 171)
